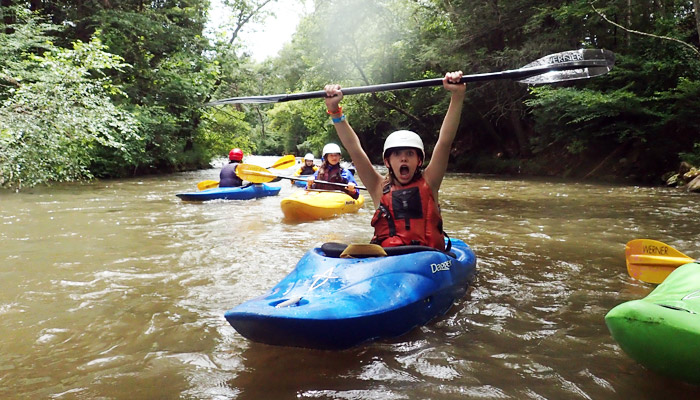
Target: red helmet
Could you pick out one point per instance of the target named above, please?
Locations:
(235, 154)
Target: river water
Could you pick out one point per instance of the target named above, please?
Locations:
(117, 289)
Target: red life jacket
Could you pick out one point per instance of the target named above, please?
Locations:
(408, 215)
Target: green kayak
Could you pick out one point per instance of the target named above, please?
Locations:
(662, 330)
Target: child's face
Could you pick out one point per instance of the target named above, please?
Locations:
(333, 158)
(309, 162)
(404, 162)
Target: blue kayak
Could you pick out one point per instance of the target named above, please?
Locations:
(328, 302)
(232, 193)
(302, 184)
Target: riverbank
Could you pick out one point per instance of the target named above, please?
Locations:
(624, 164)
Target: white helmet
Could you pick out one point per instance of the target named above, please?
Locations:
(404, 139)
(309, 157)
(331, 148)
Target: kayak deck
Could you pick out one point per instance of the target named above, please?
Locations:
(662, 330)
(310, 205)
(231, 193)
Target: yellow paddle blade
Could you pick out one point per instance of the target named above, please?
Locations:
(207, 184)
(362, 250)
(285, 162)
(652, 261)
(253, 173)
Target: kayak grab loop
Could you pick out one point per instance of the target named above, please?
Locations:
(289, 302)
(676, 308)
(297, 300)
(694, 295)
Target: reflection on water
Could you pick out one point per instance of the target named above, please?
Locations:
(117, 289)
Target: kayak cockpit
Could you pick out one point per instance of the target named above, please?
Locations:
(336, 250)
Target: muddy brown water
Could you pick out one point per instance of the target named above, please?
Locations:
(117, 289)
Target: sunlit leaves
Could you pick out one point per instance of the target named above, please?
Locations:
(58, 112)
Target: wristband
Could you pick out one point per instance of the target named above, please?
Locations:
(338, 111)
(339, 119)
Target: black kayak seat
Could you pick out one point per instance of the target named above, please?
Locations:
(334, 249)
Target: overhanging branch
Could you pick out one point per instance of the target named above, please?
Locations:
(687, 45)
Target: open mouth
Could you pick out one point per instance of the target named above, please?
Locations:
(403, 171)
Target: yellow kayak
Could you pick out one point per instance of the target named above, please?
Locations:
(309, 205)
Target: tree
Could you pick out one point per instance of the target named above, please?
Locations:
(57, 108)
(642, 114)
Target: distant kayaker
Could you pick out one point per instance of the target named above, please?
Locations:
(331, 171)
(308, 168)
(408, 211)
(227, 176)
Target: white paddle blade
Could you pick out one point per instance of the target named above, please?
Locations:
(571, 65)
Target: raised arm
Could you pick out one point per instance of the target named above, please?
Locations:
(435, 171)
(369, 176)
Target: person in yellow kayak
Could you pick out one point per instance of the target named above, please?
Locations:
(407, 198)
(227, 176)
(331, 171)
(307, 168)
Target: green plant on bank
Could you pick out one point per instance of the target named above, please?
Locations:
(692, 158)
(638, 121)
(223, 130)
(56, 108)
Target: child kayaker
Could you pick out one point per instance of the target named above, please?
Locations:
(227, 176)
(407, 198)
(308, 168)
(331, 171)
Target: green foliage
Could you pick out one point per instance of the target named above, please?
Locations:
(138, 109)
(59, 111)
(693, 158)
(170, 80)
(225, 129)
(583, 115)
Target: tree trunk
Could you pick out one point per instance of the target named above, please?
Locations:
(261, 117)
(629, 22)
(696, 6)
(520, 134)
(7, 18)
(242, 17)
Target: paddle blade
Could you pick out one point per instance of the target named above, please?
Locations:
(208, 184)
(652, 261)
(571, 65)
(253, 173)
(284, 162)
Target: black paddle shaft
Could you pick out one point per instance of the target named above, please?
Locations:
(598, 61)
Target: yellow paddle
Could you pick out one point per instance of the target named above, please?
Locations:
(283, 163)
(255, 174)
(208, 184)
(651, 261)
